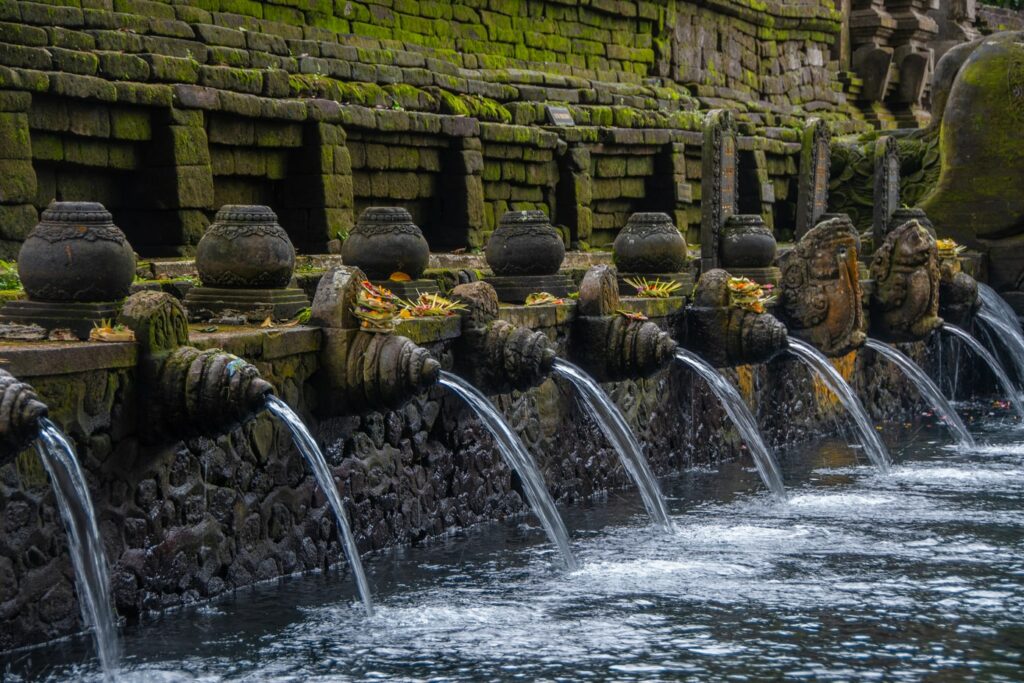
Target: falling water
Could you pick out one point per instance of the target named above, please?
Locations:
(741, 416)
(307, 446)
(929, 391)
(817, 362)
(1002, 320)
(612, 422)
(88, 556)
(521, 462)
(993, 363)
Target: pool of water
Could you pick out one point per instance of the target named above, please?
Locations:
(860, 576)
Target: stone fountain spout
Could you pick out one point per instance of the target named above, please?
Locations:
(820, 295)
(725, 334)
(494, 354)
(959, 298)
(362, 370)
(905, 300)
(20, 412)
(608, 343)
(187, 390)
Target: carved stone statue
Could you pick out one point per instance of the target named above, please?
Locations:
(905, 267)
(20, 411)
(726, 334)
(958, 291)
(820, 290)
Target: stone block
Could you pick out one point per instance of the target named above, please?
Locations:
(130, 124)
(17, 220)
(172, 69)
(25, 57)
(86, 152)
(46, 147)
(17, 181)
(15, 136)
(88, 120)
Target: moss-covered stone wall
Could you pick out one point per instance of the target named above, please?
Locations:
(166, 110)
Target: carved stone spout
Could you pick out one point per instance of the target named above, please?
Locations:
(958, 292)
(725, 333)
(495, 354)
(612, 345)
(361, 370)
(820, 291)
(905, 302)
(20, 411)
(186, 390)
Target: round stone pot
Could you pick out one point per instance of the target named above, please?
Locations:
(76, 254)
(245, 248)
(650, 243)
(525, 243)
(905, 215)
(746, 242)
(386, 241)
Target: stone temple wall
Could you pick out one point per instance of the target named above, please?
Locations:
(164, 111)
(188, 520)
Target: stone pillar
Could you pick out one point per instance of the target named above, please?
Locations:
(576, 191)
(317, 201)
(815, 163)
(682, 191)
(887, 186)
(181, 182)
(462, 194)
(718, 182)
(17, 176)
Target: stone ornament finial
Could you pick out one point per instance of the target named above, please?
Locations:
(820, 293)
(649, 244)
(494, 354)
(385, 241)
(726, 335)
(20, 412)
(905, 301)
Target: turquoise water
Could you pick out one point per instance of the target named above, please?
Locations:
(918, 575)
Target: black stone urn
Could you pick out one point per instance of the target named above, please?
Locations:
(746, 242)
(386, 241)
(245, 247)
(76, 254)
(906, 214)
(649, 244)
(525, 243)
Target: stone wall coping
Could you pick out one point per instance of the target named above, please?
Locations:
(47, 359)
(257, 343)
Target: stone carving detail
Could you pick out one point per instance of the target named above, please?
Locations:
(187, 391)
(495, 354)
(20, 411)
(361, 371)
(726, 335)
(245, 247)
(887, 187)
(386, 241)
(958, 292)
(76, 254)
(905, 301)
(649, 244)
(525, 243)
(718, 182)
(820, 290)
(610, 345)
(815, 163)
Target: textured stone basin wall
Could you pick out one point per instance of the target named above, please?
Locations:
(165, 111)
(189, 520)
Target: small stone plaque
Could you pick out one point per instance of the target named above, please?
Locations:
(560, 116)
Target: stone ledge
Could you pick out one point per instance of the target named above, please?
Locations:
(46, 359)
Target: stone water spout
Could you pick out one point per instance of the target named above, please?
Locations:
(905, 300)
(20, 412)
(820, 292)
(959, 298)
(495, 354)
(362, 370)
(726, 334)
(187, 389)
(612, 345)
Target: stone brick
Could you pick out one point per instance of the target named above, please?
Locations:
(17, 220)
(15, 136)
(17, 181)
(118, 66)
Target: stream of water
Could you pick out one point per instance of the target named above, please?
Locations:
(825, 371)
(519, 460)
(737, 410)
(993, 363)
(307, 446)
(927, 388)
(85, 545)
(613, 425)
